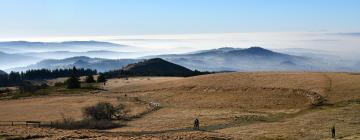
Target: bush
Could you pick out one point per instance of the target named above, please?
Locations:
(101, 111)
(59, 84)
(104, 111)
(27, 87)
(44, 85)
(101, 78)
(73, 82)
(90, 79)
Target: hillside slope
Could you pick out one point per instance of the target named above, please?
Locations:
(15, 60)
(236, 59)
(242, 90)
(158, 67)
(266, 105)
(256, 59)
(2, 72)
(98, 64)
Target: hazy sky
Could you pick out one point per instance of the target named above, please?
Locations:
(40, 18)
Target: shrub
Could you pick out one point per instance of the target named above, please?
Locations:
(90, 79)
(101, 111)
(105, 111)
(27, 86)
(101, 78)
(73, 82)
(59, 84)
(44, 85)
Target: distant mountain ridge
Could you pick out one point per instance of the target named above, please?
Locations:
(78, 46)
(98, 64)
(93, 54)
(15, 60)
(237, 59)
(221, 59)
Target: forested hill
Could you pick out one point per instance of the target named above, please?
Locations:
(153, 67)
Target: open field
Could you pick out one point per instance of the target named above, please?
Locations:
(268, 105)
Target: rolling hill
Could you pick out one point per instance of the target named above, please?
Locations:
(93, 54)
(98, 64)
(256, 105)
(249, 59)
(235, 59)
(158, 67)
(2, 72)
(15, 60)
(222, 59)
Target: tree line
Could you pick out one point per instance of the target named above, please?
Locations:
(121, 73)
(16, 78)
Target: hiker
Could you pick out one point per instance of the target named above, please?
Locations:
(333, 132)
(196, 124)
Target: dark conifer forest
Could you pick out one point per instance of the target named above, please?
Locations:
(16, 78)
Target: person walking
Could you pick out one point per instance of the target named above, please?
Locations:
(196, 124)
(333, 131)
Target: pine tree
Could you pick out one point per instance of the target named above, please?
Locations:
(73, 82)
(101, 78)
(90, 79)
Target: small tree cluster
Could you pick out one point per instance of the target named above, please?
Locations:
(101, 78)
(90, 79)
(104, 111)
(28, 87)
(73, 82)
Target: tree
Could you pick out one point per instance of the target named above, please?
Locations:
(27, 86)
(101, 78)
(14, 78)
(3, 80)
(75, 72)
(90, 79)
(73, 82)
(101, 111)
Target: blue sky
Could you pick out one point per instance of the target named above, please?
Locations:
(29, 18)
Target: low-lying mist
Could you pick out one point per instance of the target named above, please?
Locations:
(324, 51)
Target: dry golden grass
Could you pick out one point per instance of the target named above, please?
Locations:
(268, 105)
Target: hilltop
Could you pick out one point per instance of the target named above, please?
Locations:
(237, 59)
(256, 59)
(158, 67)
(2, 72)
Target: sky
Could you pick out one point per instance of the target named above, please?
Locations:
(53, 18)
(178, 26)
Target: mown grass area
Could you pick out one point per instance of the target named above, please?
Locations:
(59, 89)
